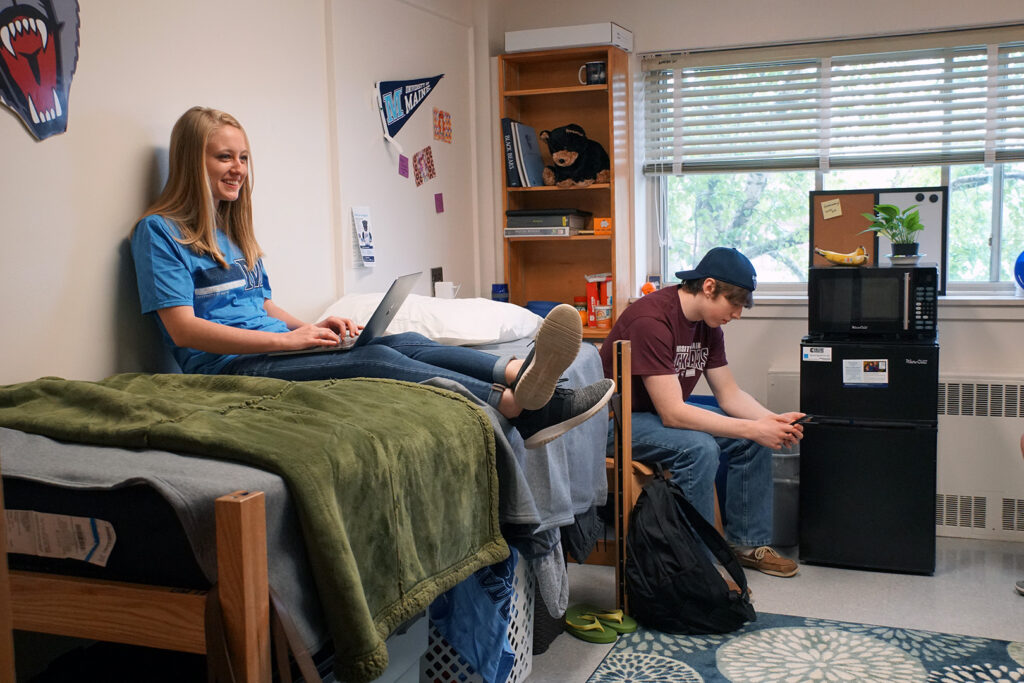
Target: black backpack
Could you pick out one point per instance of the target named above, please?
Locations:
(672, 581)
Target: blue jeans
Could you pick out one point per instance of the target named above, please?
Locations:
(408, 356)
(692, 458)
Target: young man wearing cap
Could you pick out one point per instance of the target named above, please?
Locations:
(676, 336)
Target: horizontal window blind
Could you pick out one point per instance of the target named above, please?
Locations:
(949, 104)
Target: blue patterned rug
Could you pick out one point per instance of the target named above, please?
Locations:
(780, 648)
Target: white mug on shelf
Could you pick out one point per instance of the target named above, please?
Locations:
(446, 290)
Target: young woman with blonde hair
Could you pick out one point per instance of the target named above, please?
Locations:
(199, 270)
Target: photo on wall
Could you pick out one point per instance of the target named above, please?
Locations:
(363, 229)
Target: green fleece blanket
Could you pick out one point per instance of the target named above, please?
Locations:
(395, 483)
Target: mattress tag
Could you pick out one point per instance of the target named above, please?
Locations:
(48, 535)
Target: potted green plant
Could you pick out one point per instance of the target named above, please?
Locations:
(899, 227)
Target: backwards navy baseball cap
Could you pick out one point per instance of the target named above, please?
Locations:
(725, 265)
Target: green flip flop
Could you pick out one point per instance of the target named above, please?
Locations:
(589, 628)
(615, 619)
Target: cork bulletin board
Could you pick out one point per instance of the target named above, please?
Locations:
(836, 223)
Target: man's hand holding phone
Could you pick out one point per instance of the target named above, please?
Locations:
(797, 431)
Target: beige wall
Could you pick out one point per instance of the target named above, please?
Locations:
(376, 40)
(299, 76)
(975, 340)
(68, 202)
(674, 24)
(69, 307)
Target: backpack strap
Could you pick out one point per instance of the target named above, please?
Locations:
(286, 633)
(218, 659)
(616, 405)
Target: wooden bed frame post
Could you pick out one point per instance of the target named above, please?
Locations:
(6, 619)
(155, 616)
(242, 582)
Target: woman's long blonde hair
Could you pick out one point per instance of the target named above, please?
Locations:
(187, 200)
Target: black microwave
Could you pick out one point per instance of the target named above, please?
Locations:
(883, 303)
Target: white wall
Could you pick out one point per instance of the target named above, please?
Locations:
(69, 307)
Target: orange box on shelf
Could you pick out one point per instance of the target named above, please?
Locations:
(602, 226)
(593, 300)
(599, 293)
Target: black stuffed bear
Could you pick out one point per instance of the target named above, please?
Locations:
(578, 160)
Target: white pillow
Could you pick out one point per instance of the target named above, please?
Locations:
(459, 322)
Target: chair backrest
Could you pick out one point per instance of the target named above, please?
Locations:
(622, 466)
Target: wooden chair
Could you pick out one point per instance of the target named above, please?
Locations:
(626, 477)
(156, 616)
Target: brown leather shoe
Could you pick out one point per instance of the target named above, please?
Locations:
(765, 559)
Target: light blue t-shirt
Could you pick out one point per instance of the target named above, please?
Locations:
(171, 274)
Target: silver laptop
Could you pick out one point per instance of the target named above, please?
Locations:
(378, 322)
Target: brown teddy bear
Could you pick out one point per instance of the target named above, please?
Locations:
(579, 161)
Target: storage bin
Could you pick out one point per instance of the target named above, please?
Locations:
(442, 663)
(786, 490)
(786, 463)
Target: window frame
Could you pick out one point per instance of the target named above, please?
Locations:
(954, 288)
(996, 40)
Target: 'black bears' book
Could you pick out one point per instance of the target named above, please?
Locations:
(528, 157)
(511, 168)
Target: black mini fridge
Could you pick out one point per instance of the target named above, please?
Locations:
(867, 459)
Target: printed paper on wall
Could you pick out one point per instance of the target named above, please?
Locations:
(364, 235)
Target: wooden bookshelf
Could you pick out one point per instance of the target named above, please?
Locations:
(541, 89)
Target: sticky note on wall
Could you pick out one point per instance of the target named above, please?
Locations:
(831, 209)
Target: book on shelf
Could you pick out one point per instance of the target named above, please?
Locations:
(527, 152)
(553, 220)
(541, 231)
(574, 218)
(511, 168)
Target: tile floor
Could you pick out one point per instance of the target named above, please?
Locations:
(971, 593)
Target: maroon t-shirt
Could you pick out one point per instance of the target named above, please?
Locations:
(664, 342)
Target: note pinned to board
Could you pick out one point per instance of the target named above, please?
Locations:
(831, 209)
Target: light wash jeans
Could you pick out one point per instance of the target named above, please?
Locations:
(692, 457)
(408, 356)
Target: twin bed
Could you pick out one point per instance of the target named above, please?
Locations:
(379, 496)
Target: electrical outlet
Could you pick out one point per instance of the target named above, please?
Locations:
(436, 275)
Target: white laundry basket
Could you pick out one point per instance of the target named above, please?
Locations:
(441, 664)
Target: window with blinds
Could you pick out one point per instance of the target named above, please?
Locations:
(829, 106)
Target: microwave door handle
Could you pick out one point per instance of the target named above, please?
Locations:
(906, 301)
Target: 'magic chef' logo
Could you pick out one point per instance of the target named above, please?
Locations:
(916, 361)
